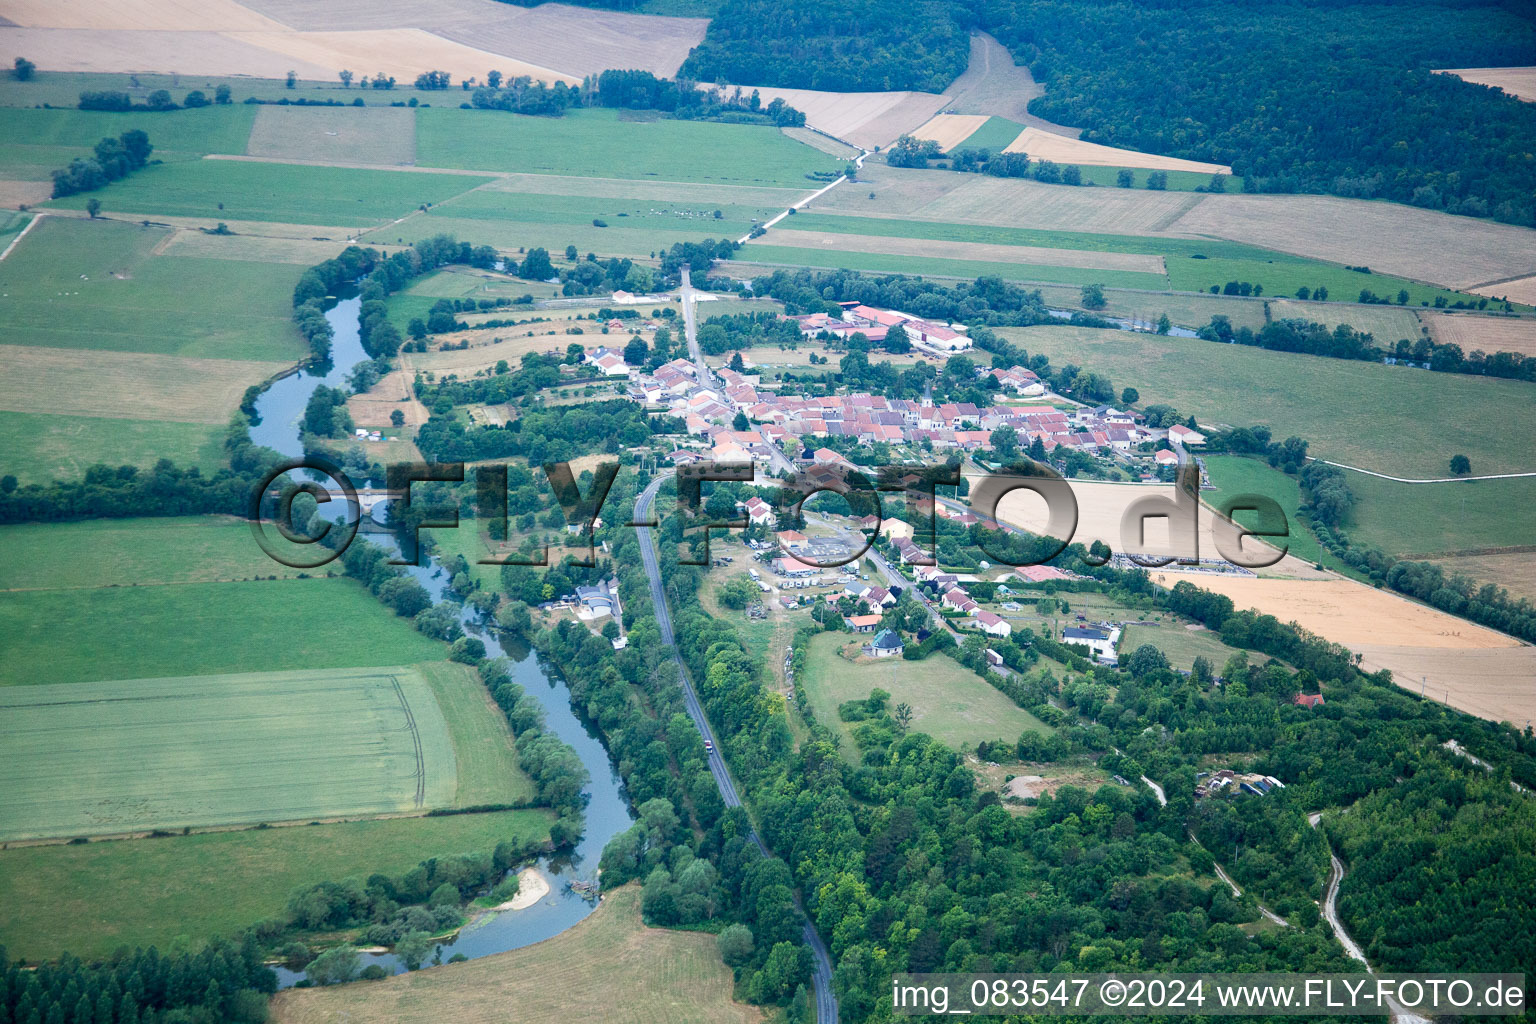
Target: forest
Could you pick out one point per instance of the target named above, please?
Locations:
(861, 45)
(1348, 105)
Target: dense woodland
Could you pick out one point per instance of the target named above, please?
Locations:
(866, 45)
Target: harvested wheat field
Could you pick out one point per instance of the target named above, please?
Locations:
(575, 40)
(867, 119)
(1519, 289)
(400, 52)
(1498, 684)
(1102, 506)
(1014, 202)
(898, 192)
(483, 353)
(1390, 238)
(609, 967)
(1385, 323)
(1041, 145)
(371, 135)
(1518, 82)
(303, 252)
(152, 51)
(124, 385)
(1349, 613)
(1027, 254)
(140, 15)
(1515, 571)
(1488, 334)
(372, 408)
(949, 130)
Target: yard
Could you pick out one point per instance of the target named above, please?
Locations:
(949, 702)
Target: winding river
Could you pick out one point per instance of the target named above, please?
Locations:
(608, 812)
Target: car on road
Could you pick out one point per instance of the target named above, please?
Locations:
(709, 747)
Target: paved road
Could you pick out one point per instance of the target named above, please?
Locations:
(826, 1001)
(691, 329)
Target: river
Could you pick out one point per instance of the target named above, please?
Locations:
(608, 811)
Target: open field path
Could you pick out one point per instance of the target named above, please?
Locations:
(1425, 480)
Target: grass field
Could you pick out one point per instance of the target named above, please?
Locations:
(90, 899)
(146, 632)
(609, 967)
(1427, 519)
(1390, 419)
(488, 772)
(77, 283)
(1179, 642)
(1385, 323)
(1183, 309)
(994, 135)
(371, 135)
(882, 263)
(949, 702)
(37, 448)
(134, 754)
(126, 552)
(635, 226)
(1235, 475)
(596, 143)
(174, 133)
(248, 190)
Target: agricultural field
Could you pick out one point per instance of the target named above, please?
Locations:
(584, 143)
(1390, 419)
(38, 448)
(1042, 145)
(1518, 82)
(949, 130)
(628, 226)
(867, 119)
(44, 135)
(134, 754)
(1234, 475)
(89, 899)
(225, 190)
(1384, 323)
(1491, 683)
(372, 135)
(485, 756)
(73, 283)
(926, 266)
(1101, 510)
(609, 967)
(949, 702)
(1183, 309)
(1483, 333)
(122, 632)
(1422, 520)
(127, 552)
(1515, 571)
(992, 134)
(889, 245)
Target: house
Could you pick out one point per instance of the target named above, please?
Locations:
(607, 361)
(1166, 457)
(886, 644)
(1100, 642)
(791, 540)
(1180, 434)
(794, 568)
(994, 625)
(896, 529)
(879, 597)
(1307, 700)
(759, 511)
(1040, 573)
(595, 602)
(957, 600)
(863, 623)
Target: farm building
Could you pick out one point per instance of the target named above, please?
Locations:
(1180, 434)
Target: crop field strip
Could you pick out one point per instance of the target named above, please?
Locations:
(973, 251)
(880, 263)
(1390, 419)
(130, 755)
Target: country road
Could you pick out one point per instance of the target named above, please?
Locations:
(1351, 947)
(826, 1001)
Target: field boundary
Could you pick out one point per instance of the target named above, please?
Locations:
(1424, 480)
(23, 233)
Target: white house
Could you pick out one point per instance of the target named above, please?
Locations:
(759, 511)
(995, 625)
(1180, 434)
(1100, 642)
(886, 644)
(958, 600)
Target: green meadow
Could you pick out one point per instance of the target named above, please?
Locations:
(602, 143)
(1391, 419)
(924, 266)
(90, 899)
(149, 631)
(289, 193)
(37, 448)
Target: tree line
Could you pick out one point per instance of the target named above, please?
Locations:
(113, 159)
